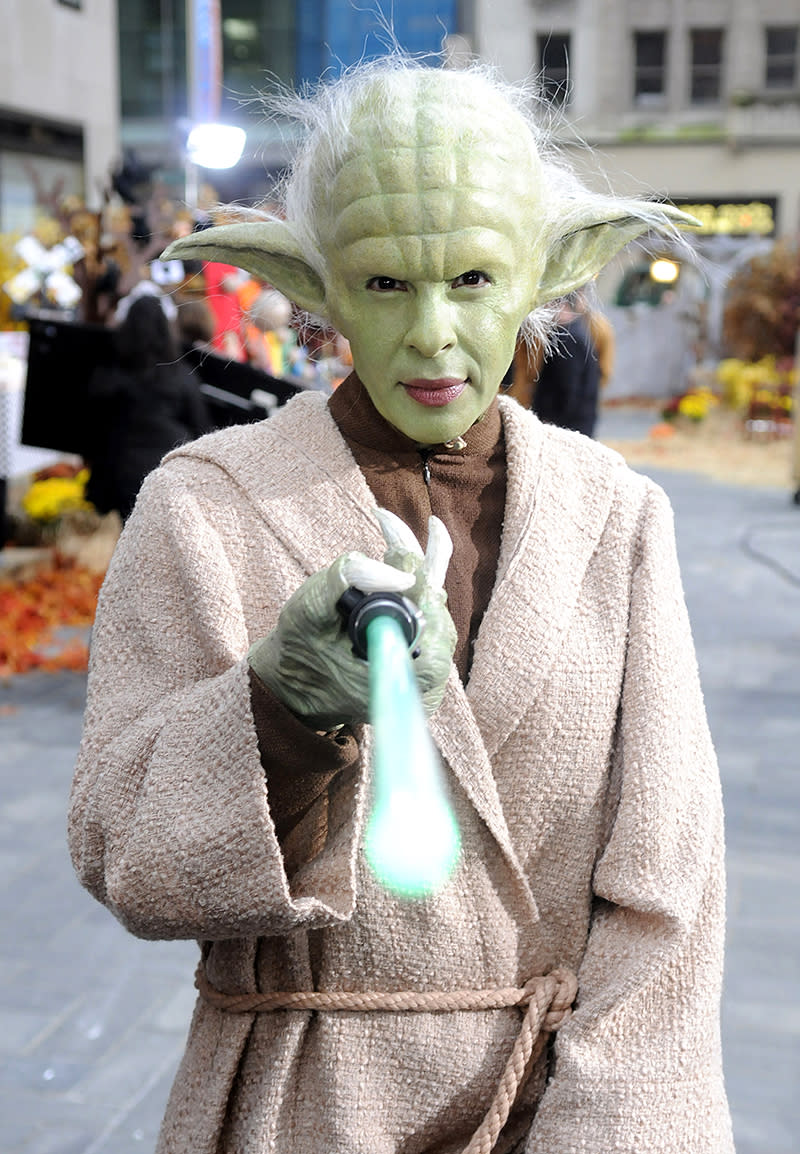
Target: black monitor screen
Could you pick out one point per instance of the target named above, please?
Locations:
(62, 357)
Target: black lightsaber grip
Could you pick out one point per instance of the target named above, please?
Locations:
(358, 609)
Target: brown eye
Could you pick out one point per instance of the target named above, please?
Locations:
(472, 279)
(386, 284)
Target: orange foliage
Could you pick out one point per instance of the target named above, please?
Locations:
(59, 594)
(762, 304)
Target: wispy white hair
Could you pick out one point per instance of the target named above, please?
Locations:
(331, 112)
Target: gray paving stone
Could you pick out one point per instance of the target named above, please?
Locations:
(68, 1140)
(138, 1062)
(122, 1135)
(176, 1011)
(19, 1027)
(48, 1078)
(19, 1124)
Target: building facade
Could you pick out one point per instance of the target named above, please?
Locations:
(698, 100)
(59, 106)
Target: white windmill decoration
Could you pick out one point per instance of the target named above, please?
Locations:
(46, 272)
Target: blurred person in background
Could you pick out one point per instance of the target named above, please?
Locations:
(195, 325)
(145, 404)
(568, 385)
(601, 332)
(270, 341)
(523, 373)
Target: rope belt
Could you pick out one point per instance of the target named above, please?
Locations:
(547, 1002)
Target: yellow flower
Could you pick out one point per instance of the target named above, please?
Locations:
(746, 381)
(693, 406)
(729, 369)
(49, 499)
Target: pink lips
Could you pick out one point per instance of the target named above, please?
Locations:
(434, 393)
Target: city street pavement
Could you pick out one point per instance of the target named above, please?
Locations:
(92, 1021)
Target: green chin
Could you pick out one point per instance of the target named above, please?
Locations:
(432, 424)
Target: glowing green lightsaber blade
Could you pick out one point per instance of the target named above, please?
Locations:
(412, 839)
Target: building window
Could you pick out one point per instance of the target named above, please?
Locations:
(781, 57)
(706, 65)
(258, 45)
(152, 58)
(553, 57)
(650, 67)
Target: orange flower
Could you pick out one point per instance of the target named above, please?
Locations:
(59, 594)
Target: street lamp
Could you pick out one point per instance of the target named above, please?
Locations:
(211, 146)
(664, 271)
(215, 145)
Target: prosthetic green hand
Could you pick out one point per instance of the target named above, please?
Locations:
(307, 661)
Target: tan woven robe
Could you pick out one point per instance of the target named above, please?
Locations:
(581, 772)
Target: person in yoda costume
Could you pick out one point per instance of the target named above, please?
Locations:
(223, 783)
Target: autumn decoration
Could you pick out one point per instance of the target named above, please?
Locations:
(44, 617)
(762, 305)
(693, 406)
(762, 392)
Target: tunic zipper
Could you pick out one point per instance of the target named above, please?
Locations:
(426, 469)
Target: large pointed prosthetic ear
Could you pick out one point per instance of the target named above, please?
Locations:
(590, 244)
(266, 248)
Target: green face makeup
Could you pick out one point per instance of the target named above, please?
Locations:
(427, 277)
(432, 320)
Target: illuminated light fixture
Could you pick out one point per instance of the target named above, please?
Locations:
(664, 271)
(215, 145)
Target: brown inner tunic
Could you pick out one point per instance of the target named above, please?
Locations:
(464, 484)
(465, 487)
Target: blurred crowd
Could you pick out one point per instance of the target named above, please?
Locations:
(100, 270)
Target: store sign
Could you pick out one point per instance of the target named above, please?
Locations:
(733, 216)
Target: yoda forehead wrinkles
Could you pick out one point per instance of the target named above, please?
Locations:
(391, 170)
(443, 211)
(410, 190)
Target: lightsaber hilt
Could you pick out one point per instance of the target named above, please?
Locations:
(358, 609)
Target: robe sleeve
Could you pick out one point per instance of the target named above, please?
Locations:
(638, 1067)
(170, 823)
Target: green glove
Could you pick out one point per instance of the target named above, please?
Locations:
(307, 660)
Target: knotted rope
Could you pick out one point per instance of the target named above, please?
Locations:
(547, 1002)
